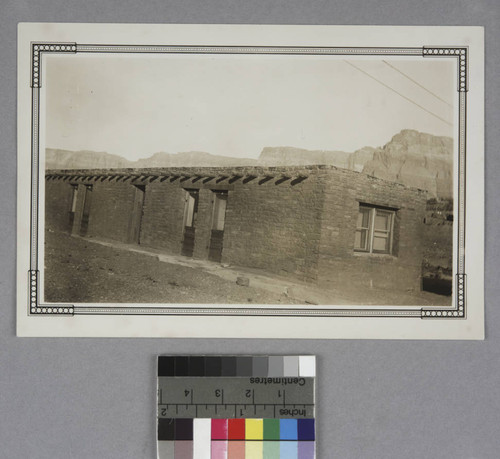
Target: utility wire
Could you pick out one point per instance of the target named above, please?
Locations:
(398, 93)
(417, 83)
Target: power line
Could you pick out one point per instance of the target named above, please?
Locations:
(417, 83)
(398, 93)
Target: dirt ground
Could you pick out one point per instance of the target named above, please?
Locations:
(83, 271)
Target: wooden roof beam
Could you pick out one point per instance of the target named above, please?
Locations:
(234, 178)
(266, 179)
(298, 179)
(249, 178)
(281, 180)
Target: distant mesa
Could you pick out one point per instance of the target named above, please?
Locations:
(411, 158)
(84, 159)
(65, 159)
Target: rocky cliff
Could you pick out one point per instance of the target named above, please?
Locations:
(291, 156)
(412, 158)
(416, 159)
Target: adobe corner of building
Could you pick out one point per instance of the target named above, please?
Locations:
(320, 224)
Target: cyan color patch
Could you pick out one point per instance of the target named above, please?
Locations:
(288, 429)
(289, 449)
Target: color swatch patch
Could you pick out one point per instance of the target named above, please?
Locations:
(236, 407)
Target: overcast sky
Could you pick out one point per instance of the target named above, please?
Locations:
(135, 106)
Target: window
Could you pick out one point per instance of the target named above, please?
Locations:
(374, 230)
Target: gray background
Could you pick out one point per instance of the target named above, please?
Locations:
(95, 398)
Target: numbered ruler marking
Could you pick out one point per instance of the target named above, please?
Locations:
(235, 397)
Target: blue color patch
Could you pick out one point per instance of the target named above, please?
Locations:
(305, 429)
(288, 429)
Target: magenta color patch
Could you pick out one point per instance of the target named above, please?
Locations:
(218, 450)
(219, 429)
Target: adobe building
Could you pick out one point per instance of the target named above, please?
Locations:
(321, 224)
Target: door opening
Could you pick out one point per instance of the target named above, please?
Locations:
(134, 234)
(87, 199)
(74, 197)
(218, 223)
(190, 214)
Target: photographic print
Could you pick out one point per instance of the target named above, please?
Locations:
(239, 183)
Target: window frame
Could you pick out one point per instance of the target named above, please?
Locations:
(371, 230)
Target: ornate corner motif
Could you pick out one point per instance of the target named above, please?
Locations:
(37, 50)
(461, 54)
(458, 312)
(36, 308)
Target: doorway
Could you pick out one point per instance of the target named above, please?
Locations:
(134, 234)
(218, 223)
(87, 199)
(190, 214)
(72, 211)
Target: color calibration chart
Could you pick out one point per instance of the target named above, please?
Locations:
(236, 407)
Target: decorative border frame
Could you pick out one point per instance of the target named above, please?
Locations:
(456, 311)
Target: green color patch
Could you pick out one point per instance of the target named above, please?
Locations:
(271, 450)
(271, 429)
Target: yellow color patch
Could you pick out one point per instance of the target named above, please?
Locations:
(254, 449)
(254, 429)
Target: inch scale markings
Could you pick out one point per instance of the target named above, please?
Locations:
(238, 397)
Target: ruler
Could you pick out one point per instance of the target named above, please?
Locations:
(235, 397)
(253, 402)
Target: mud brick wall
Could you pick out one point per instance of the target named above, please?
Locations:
(110, 209)
(163, 216)
(58, 199)
(275, 227)
(339, 265)
(303, 229)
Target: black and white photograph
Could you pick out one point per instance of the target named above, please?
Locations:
(264, 178)
(249, 179)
